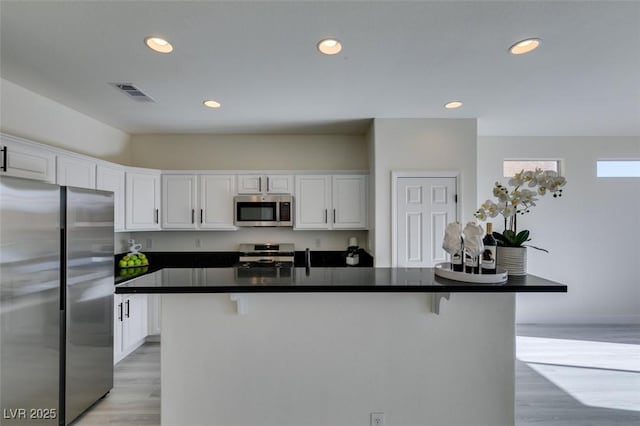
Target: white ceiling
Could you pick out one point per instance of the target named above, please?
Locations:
(400, 59)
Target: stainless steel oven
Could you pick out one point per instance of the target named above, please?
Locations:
(263, 210)
(266, 263)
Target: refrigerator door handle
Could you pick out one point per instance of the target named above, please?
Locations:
(4, 159)
(126, 313)
(120, 311)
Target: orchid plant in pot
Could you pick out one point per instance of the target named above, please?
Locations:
(517, 198)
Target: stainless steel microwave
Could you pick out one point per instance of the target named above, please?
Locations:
(263, 210)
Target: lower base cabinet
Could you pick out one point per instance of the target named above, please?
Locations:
(130, 324)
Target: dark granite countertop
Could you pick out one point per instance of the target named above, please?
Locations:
(321, 279)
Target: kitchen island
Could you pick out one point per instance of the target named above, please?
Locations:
(330, 346)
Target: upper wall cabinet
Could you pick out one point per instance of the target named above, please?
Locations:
(75, 171)
(142, 211)
(267, 184)
(24, 160)
(331, 202)
(111, 178)
(198, 201)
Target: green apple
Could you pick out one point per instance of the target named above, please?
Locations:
(131, 263)
(142, 256)
(125, 258)
(133, 257)
(137, 262)
(122, 263)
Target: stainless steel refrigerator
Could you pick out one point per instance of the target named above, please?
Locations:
(56, 301)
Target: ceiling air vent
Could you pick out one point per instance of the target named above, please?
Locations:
(132, 91)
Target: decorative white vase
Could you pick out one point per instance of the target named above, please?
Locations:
(513, 259)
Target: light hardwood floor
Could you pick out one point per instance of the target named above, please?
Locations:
(565, 376)
(135, 397)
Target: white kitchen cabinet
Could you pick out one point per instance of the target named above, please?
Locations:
(111, 178)
(265, 184)
(180, 201)
(331, 202)
(349, 202)
(130, 324)
(216, 201)
(21, 159)
(142, 207)
(154, 313)
(75, 171)
(198, 201)
(312, 202)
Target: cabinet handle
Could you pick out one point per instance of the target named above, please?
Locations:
(4, 158)
(126, 314)
(157, 216)
(325, 216)
(201, 215)
(120, 311)
(260, 184)
(193, 215)
(268, 189)
(334, 215)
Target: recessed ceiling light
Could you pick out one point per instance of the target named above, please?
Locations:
(453, 105)
(524, 46)
(211, 104)
(158, 44)
(329, 46)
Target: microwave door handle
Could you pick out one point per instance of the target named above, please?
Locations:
(278, 206)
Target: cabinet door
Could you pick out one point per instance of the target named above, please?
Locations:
(349, 202)
(23, 161)
(250, 184)
(216, 201)
(118, 317)
(112, 179)
(179, 194)
(135, 320)
(312, 202)
(154, 306)
(279, 184)
(143, 201)
(78, 172)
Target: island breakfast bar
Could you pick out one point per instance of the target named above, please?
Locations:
(331, 346)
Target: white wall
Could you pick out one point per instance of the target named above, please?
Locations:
(29, 115)
(420, 144)
(250, 152)
(229, 240)
(332, 359)
(592, 232)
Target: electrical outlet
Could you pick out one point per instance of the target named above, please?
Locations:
(377, 419)
(147, 243)
(317, 242)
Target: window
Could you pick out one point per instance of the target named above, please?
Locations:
(511, 167)
(618, 168)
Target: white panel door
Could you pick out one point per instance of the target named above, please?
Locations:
(424, 207)
(312, 202)
(216, 201)
(179, 201)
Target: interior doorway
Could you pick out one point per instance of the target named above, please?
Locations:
(422, 205)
